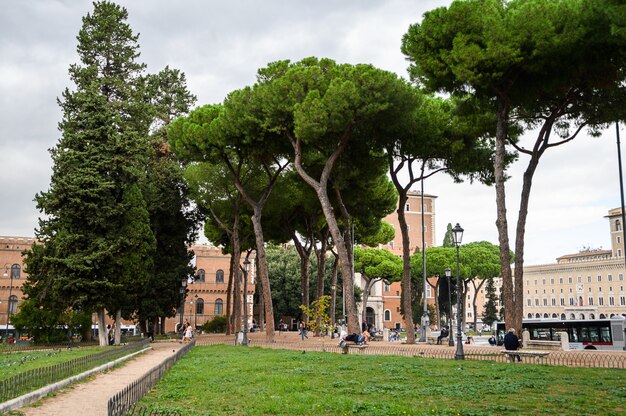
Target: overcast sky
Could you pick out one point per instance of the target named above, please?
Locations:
(219, 46)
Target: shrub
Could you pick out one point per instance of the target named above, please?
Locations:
(215, 325)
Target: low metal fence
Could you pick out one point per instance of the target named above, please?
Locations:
(36, 378)
(145, 411)
(123, 402)
(21, 346)
(585, 358)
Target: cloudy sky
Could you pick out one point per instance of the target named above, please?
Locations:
(219, 46)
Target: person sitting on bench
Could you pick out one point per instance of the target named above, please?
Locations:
(442, 335)
(511, 343)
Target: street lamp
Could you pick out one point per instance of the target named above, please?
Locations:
(457, 234)
(183, 287)
(15, 273)
(450, 337)
(246, 264)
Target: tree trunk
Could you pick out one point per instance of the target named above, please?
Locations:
(501, 221)
(321, 272)
(474, 306)
(304, 254)
(333, 296)
(435, 288)
(343, 252)
(518, 285)
(102, 329)
(263, 273)
(118, 327)
(235, 273)
(260, 291)
(229, 298)
(407, 305)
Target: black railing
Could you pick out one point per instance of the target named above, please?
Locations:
(124, 401)
(20, 346)
(33, 379)
(145, 411)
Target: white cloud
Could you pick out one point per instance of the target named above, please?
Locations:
(220, 45)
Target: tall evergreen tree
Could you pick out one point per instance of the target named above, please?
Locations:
(490, 313)
(93, 248)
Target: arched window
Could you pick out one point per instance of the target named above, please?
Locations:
(545, 315)
(12, 305)
(219, 276)
(537, 315)
(562, 317)
(219, 307)
(530, 315)
(581, 316)
(612, 315)
(572, 316)
(602, 316)
(592, 316)
(200, 276)
(387, 315)
(554, 315)
(199, 306)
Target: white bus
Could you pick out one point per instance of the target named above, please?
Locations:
(590, 334)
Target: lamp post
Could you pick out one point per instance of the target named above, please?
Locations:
(450, 337)
(457, 233)
(246, 264)
(15, 273)
(183, 287)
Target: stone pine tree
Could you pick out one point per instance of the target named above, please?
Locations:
(554, 67)
(92, 247)
(490, 313)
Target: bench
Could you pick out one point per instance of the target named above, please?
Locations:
(433, 340)
(350, 344)
(376, 337)
(536, 354)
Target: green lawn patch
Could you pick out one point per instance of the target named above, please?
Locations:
(19, 362)
(227, 380)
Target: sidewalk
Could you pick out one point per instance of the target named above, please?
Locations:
(91, 397)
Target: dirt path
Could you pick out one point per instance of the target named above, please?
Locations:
(91, 397)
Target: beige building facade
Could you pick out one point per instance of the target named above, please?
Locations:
(585, 285)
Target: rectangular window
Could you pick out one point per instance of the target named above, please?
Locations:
(619, 252)
(622, 300)
(621, 276)
(569, 280)
(580, 279)
(536, 302)
(619, 239)
(599, 278)
(527, 282)
(590, 301)
(571, 301)
(387, 288)
(611, 301)
(609, 277)
(560, 280)
(601, 301)
(428, 291)
(543, 281)
(535, 282)
(407, 208)
(553, 302)
(552, 280)
(545, 302)
(588, 279)
(529, 302)
(562, 302)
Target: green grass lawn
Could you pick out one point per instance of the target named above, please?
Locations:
(226, 380)
(18, 362)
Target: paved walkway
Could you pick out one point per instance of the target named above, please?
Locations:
(91, 397)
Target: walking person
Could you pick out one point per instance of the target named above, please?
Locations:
(302, 328)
